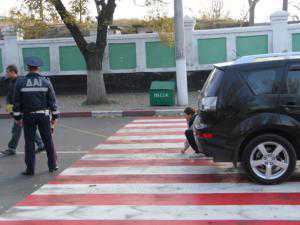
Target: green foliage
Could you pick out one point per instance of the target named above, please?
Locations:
(31, 28)
(35, 18)
(205, 23)
(40, 9)
(158, 20)
(164, 26)
(79, 8)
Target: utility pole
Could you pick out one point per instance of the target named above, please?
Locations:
(285, 5)
(181, 72)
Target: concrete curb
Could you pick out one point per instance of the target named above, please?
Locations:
(125, 113)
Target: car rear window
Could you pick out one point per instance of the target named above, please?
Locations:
(293, 82)
(212, 83)
(261, 81)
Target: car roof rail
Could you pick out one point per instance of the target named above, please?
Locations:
(267, 57)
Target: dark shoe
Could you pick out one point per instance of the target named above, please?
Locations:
(28, 173)
(8, 152)
(51, 170)
(39, 150)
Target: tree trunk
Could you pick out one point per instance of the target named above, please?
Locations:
(252, 15)
(96, 91)
(285, 5)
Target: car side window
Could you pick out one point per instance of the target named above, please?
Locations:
(261, 81)
(293, 81)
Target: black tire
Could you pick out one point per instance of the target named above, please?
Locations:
(251, 146)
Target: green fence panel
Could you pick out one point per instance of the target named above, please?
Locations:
(1, 62)
(296, 42)
(160, 55)
(252, 45)
(71, 59)
(42, 53)
(212, 50)
(122, 56)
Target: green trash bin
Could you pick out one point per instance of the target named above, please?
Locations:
(162, 93)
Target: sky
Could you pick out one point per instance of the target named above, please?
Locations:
(127, 8)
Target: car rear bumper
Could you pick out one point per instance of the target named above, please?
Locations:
(214, 146)
(218, 153)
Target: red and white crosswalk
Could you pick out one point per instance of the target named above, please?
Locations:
(138, 177)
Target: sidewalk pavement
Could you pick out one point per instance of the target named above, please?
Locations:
(122, 104)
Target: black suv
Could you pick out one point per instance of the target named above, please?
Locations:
(249, 112)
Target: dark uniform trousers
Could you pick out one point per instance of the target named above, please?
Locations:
(191, 139)
(32, 122)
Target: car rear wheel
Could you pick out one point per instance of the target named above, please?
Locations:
(269, 159)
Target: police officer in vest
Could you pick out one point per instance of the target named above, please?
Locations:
(34, 106)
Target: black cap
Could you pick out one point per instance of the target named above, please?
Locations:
(33, 61)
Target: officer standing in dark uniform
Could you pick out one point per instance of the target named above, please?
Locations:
(34, 103)
(12, 76)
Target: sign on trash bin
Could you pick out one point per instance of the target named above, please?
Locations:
(162, 93)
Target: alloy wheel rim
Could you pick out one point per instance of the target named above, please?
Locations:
(269, 160)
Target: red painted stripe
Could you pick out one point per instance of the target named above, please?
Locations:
(159, 122)
(144, 141)
(134, 151)
(150, 127)
(159, 118)
(163, 178)
(75, 114)
(164, 199)
(145, 162)
(152, 222)
(149, 134)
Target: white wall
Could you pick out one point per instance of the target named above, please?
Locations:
(279, 39)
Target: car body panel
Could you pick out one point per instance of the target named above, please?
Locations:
(242, 113)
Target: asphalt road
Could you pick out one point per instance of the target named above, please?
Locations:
(73, 138)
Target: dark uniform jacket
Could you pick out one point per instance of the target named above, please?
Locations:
(191, 121)
(34, 93)
(10, 91)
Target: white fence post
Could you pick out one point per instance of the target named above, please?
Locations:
(189, 26)
(141, 54)
(279, 23)
(11, 48)
(231, 47)
(54, 59)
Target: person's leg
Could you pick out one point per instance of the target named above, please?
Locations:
(29, 134)
(45, 131)
(39, 142)
(16, 134)
(191, 139)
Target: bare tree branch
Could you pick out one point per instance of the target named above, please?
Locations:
(252, 5)
(70, 22)
(104, 19)
(99, 3)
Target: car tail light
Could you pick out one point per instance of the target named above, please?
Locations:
(208, 103)
(206, 135)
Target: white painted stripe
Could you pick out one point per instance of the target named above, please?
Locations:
(168, 188)
(159, 120)
(140, 146)
(88, 171)
(126, 212)
(156, 125)
(34, 89)
(157, 130)
(153, 137)
(63, 152)
(104, 157)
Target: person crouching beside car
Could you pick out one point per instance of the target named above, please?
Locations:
(190, 115)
